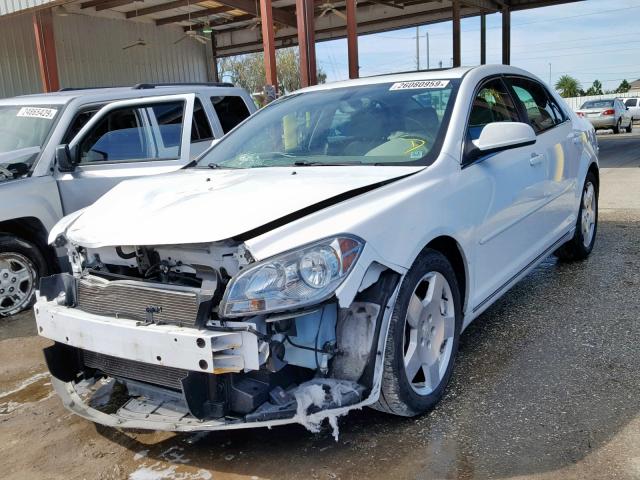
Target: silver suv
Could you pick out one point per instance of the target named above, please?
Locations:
(60, 152)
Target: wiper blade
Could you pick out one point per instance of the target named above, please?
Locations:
(304, 163)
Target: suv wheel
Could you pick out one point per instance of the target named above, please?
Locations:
(21, 265)
(423, 337)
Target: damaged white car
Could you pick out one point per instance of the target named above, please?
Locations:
(323, 256)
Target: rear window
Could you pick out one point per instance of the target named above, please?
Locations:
(597, 104)
(230, 110)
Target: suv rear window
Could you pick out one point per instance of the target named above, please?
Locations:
(230, 110)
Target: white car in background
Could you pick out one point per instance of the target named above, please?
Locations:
(607, 114)
(323, 256)
(633, 104)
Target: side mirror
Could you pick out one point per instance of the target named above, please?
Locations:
(65, 158)
(498, 136)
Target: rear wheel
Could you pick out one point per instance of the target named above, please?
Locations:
(423, 337)
(580, 246)
(21, 265)
(617, 129)
(630, 129)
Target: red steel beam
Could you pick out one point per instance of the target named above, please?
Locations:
(268, 43)
(506, 36)
(306, 42)
(352, 39)
(46, 48)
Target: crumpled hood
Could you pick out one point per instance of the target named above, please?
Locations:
(201, 205)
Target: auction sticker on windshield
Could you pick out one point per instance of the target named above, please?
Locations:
(419, 84)
(37, 112)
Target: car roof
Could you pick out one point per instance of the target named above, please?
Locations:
(438, 74)
(65, 96)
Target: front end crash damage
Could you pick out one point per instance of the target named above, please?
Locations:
(150, 337)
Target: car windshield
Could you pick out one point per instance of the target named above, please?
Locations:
(398, 123)
(25, 126)
(598, 104)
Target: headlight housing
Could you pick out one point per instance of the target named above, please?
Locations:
(295, 279)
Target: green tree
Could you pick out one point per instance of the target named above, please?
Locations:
(624, 87)
(247, 71)
(595, 89)
(568, 86)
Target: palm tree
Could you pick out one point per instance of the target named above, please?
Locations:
(568, 86)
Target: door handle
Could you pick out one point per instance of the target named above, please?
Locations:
(535, 159)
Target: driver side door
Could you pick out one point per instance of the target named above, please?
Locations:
(127, 139)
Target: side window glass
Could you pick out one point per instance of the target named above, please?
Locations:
(542, 114)
(200, 128)
(491, 104)
(78, 122)
(135, 134)
(231, 111)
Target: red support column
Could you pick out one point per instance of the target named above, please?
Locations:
(268, 43)
(46, 47)
(306, 42)
(506, 35)
(352, 39)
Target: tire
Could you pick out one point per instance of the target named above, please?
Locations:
(616, 129)
(630, 129)
(399, 395)
(581, 245)
(21, 266)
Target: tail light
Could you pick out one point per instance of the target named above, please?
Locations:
(580, 114)
(608, 112)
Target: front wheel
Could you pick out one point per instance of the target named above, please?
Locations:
(580, 246)
(423, 337)
(21, 265)
(630, 129)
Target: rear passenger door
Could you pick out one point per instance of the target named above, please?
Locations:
(559, 147)
(127, 139)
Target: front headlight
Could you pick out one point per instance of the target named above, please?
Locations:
(301, 277)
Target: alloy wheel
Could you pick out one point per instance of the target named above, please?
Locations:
(17, 282)
(588, 214)
(428, 333)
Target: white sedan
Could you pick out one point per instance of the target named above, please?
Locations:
(323, 256)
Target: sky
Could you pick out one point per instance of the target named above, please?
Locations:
(594, 39)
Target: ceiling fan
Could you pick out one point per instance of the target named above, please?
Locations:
(195, 35)
(330, 8)
(138, 43)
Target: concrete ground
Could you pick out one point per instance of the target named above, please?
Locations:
(546, 386)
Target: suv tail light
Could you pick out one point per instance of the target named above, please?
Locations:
(608, 112)
(580, 114)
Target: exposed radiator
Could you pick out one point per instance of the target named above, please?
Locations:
(143, 372)
(128, 299)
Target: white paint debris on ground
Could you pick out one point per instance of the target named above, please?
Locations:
(157, 471)
(140, 455)
(321, 393)
(25, 383)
